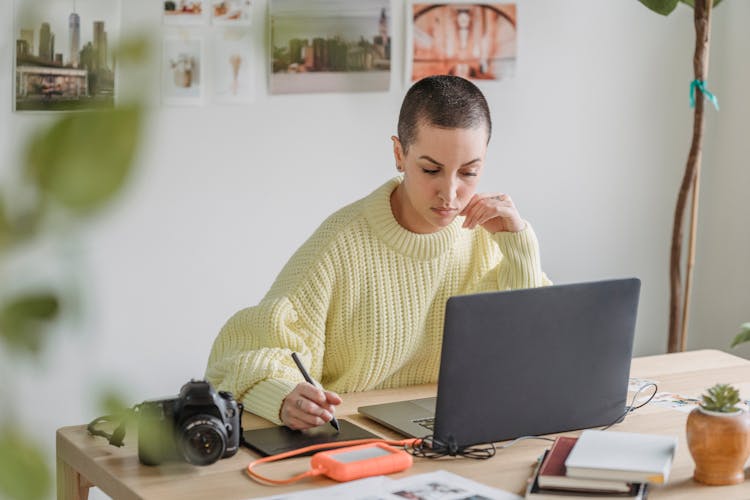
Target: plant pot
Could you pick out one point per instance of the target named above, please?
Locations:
(719, 444)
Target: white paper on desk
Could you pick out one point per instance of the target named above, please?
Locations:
(370, 488)
(442, 485)
(438, 485)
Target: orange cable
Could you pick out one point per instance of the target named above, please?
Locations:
(315, 447)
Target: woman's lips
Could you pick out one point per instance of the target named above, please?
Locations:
(445, 212)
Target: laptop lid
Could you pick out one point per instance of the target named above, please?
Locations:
(535, 361)
(527, 362)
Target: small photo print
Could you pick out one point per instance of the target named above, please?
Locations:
(675, 401)
(434, 489)
(182, 68)
(233, 75)
(330, 46)
(184, 12)
(231, 12)
(471, 40)
(63, 58)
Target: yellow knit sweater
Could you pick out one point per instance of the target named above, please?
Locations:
(362, 302)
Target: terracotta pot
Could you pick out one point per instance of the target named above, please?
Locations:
(719, 444)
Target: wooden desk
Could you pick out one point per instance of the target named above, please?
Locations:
(83, 461)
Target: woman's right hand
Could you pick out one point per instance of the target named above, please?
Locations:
(308, 406)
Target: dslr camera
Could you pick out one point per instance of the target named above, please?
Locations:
(198, 426)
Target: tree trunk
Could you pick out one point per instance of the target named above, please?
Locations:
(678, 309)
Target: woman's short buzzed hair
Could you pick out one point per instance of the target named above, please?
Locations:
(442, 101)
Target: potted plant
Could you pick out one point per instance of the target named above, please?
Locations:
(718, 436)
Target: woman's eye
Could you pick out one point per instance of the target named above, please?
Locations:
(470, 174)
(430, 172)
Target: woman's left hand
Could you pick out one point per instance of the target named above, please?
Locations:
(495, 212)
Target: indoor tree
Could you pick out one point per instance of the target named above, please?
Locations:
(679, 303)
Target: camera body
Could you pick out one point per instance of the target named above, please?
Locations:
(199, 426)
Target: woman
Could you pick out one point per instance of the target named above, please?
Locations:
(362, 301)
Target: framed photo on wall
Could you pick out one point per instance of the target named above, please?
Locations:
(182, 70)
(331, 46)
(63, 58)
(472, 40)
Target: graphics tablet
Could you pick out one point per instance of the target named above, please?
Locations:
(275, 440)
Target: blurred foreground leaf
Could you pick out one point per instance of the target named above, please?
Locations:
(24, 320)
(112, 403)
(23, 471)
(84, 158)
(6, 231)
(133, 50)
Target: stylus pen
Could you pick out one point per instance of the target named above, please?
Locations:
(308, 378)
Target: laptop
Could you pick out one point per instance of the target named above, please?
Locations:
(526, 362)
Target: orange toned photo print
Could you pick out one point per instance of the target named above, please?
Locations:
(475, 41)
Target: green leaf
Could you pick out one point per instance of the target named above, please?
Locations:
(692, 2)
(24, 320)
(743, 336)
(663, 7)
(24, 474)
(84, 158)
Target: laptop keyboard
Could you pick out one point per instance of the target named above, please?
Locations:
(427, 423)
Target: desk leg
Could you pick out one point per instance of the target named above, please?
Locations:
(71, 485)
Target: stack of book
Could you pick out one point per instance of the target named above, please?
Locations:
(602, 465)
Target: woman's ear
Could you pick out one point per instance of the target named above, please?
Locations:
(398, 153)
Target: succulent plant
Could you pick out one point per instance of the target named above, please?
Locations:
(722, 398)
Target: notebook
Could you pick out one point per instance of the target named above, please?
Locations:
(626, 456)
(526, 362)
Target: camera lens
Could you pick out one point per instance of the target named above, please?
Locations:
(202, 440)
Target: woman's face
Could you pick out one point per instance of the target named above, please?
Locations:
(441, 174)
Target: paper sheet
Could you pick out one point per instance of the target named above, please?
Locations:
(438, 485)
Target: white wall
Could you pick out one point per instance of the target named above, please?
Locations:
(590, 139)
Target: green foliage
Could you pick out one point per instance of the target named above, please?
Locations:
(23, 470)
(665, 7)
(722, 398)
(82, 160)
(112, 403)
(74, 167)
(133, 50)
(743, 336)
(24, 320)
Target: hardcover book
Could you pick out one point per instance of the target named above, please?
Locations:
(636, 491)
(624, 456)
(552, 473)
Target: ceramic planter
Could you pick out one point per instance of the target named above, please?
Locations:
(719, 444)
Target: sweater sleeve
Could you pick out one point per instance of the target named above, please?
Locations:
(520, 265)
(251, 357)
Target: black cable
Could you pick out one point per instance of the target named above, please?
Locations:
(117, 438)
(631, 408)
(429, 447)
(432, 448)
